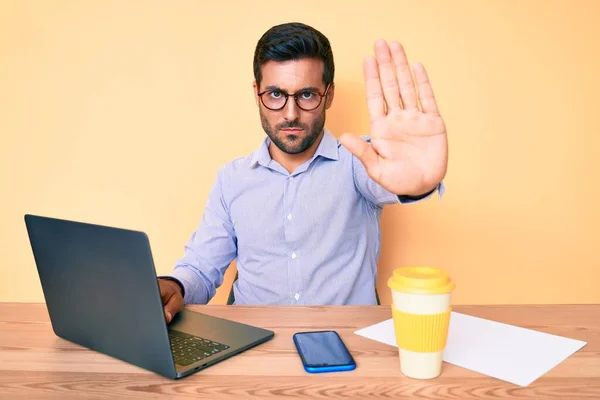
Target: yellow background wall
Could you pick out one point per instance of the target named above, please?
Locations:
(120, 113)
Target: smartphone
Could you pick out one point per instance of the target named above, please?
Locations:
(323, 351)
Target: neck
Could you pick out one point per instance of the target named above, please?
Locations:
(291, 161)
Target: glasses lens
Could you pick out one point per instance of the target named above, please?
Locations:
(274, 99)
(308, 100)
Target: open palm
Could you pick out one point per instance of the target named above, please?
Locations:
(408, 153)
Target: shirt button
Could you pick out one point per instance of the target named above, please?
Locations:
(296, 296)
(294, 256)
(289, 217)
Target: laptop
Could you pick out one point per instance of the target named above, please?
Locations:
(101, 291)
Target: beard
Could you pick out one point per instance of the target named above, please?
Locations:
(294, 144)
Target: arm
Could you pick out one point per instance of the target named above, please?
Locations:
(209, 251)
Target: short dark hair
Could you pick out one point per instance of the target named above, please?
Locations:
(293, 41)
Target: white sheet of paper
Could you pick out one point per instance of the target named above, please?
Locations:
(507, 352)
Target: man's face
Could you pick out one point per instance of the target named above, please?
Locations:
(292, 129)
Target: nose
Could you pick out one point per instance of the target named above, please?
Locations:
(291, 112)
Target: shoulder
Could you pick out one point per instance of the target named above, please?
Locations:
(237, 165)
(244, 163)
(235, 170)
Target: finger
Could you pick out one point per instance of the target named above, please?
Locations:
(405, 81)
(173, 305)
(375, 102)
(363, 151)
(165, 300)
(165, 290)
(426, 97)
(387, 75)
(164, 294)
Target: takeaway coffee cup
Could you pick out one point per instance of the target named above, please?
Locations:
(421, 311)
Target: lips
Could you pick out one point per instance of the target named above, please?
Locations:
(292, 130)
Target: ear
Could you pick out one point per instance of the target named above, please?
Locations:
(256, 99)
(330, 95)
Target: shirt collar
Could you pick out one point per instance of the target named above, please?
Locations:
(328, 148)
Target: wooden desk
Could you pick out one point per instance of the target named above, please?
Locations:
(34, 363)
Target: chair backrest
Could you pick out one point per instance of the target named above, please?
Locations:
(231, 298)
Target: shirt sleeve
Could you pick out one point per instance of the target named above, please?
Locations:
(209, 251)
(376, 193)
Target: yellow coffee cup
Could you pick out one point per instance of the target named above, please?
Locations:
(421, 311)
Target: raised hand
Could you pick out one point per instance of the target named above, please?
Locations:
(408, 153)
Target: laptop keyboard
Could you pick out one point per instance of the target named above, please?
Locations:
(188, 349)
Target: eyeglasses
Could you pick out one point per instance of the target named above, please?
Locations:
(306, 100)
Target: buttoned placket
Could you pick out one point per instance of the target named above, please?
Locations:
(289, 194)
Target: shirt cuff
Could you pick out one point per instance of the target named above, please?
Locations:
(440, 188)
(195, 290)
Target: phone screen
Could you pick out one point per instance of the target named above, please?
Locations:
(322, 349)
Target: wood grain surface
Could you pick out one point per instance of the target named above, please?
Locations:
(36, 364)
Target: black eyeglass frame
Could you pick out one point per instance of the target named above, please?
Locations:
(295, 95)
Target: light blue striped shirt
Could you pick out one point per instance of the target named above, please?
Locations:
(310, 237)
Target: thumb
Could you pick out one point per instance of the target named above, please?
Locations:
(362, 150)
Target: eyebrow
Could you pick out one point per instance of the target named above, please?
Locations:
(304, 89)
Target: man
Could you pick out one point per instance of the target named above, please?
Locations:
(301, 213)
